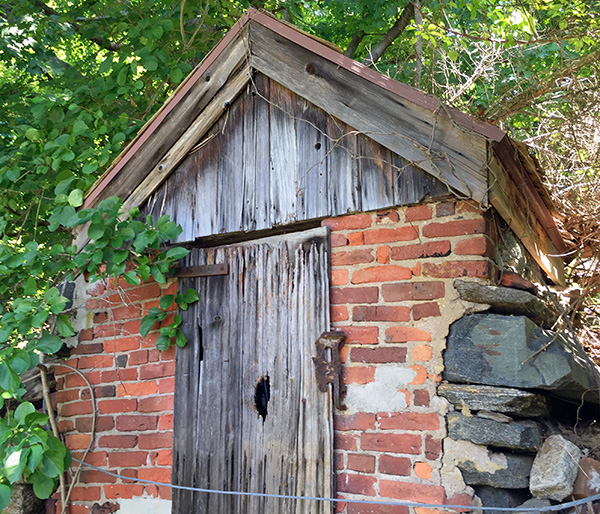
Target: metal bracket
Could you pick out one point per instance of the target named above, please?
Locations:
(328, 366)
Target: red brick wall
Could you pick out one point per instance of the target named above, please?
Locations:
(133, 383)
(392, 295)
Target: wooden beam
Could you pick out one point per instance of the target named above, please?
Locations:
(208, 270)
(512, 204)
(429, 140)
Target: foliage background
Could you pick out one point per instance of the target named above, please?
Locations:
(78, 78)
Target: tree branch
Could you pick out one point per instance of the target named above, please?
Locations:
(401, 23)
(107, 45)
(353, 45)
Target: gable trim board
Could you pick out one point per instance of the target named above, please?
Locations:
(446, 143)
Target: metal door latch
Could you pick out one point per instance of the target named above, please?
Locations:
(328, 366)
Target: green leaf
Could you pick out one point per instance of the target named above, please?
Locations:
(23, 410)
(166, 301)
(163, 342)
(5, 495)
(15, 464)
(39, 318)
(43, 486)
(63, 325)
(146, 325)
(48, 343)
(176, 75)
(177, 253)
(8, 378)
(20, 361)
(76, 198)
(32, 134)
(158, 275)
(190, 295)
(180, 340)
(150, 63)
(30, 287)
(49, 467)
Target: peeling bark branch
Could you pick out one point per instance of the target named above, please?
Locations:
(401, 23)
(107, 45)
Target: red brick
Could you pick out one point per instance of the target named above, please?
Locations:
(96, 289)
(421, 421)
(378, 355)
(473, 246)
(166, 385)
(339, 313)
(123, 491)
(406, 334)
(356, 484)
(97, 361)
(164, 369)
(421, 398)
(100, 317)
(87, 334)
(339, 461)
(392, 443)
(93, 458)
(381, 274)
(512, 279)
(130, 423)
(119, 375)
(137, 389)
(468, 206)
(356, 239)
(143, 292)
(165, 422)
(351, 257)
(164, 458)
(77, 441)
(413, 291)
(340, 295)
(421, 251)
(339, 277)
(103, 424)
(383, 255)
(87, 349)
(337, 240)
(360, 335)
(112, 406)
(358, 375)
(358, 421)
(66, 425)
(421, 372)
(392, 465)
(357, 508)
(65, 396)
(123, 344)
(422, 352)
(456, 269)
(343, 441)
(390, 235)
(76, 408)
(425, 310)
(353, 222)
(166, 493)
(131, 327)
(111, 330)
(388, 216)
(362, 463)
(154, 441)
(380, 313)
(155, 474)
(419, 213)
(85, 493)
(461, 499)
(137, 358)
(433, 447)
(455, 228)
(445, 209)
(91, 476)
(156, 404)
(418, 493)
(101, 391)
(118, 441)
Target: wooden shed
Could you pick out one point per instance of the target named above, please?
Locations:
(322, 201)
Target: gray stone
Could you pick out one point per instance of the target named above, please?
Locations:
(522, 435)
(506, 300)
(498, 399)
(492, 497)
(534, 503)
(555, 469)
(512, 471)
(496, 416)
(24, 501)
(493, 349)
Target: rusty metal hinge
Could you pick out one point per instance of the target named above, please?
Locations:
(328, 366)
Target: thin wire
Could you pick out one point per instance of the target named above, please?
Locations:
(560, 506)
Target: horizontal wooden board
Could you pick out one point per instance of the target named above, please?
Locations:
(274, 159)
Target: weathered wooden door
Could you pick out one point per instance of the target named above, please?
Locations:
(248, 412)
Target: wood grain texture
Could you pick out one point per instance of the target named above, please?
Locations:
(511, 204)
(274, 159)
(433, 142)
(262, 320)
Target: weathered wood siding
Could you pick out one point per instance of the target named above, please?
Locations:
(275, 159)
(260, 320)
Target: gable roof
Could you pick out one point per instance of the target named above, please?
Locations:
(465, 153)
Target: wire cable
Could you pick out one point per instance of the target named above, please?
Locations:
(560, 506)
